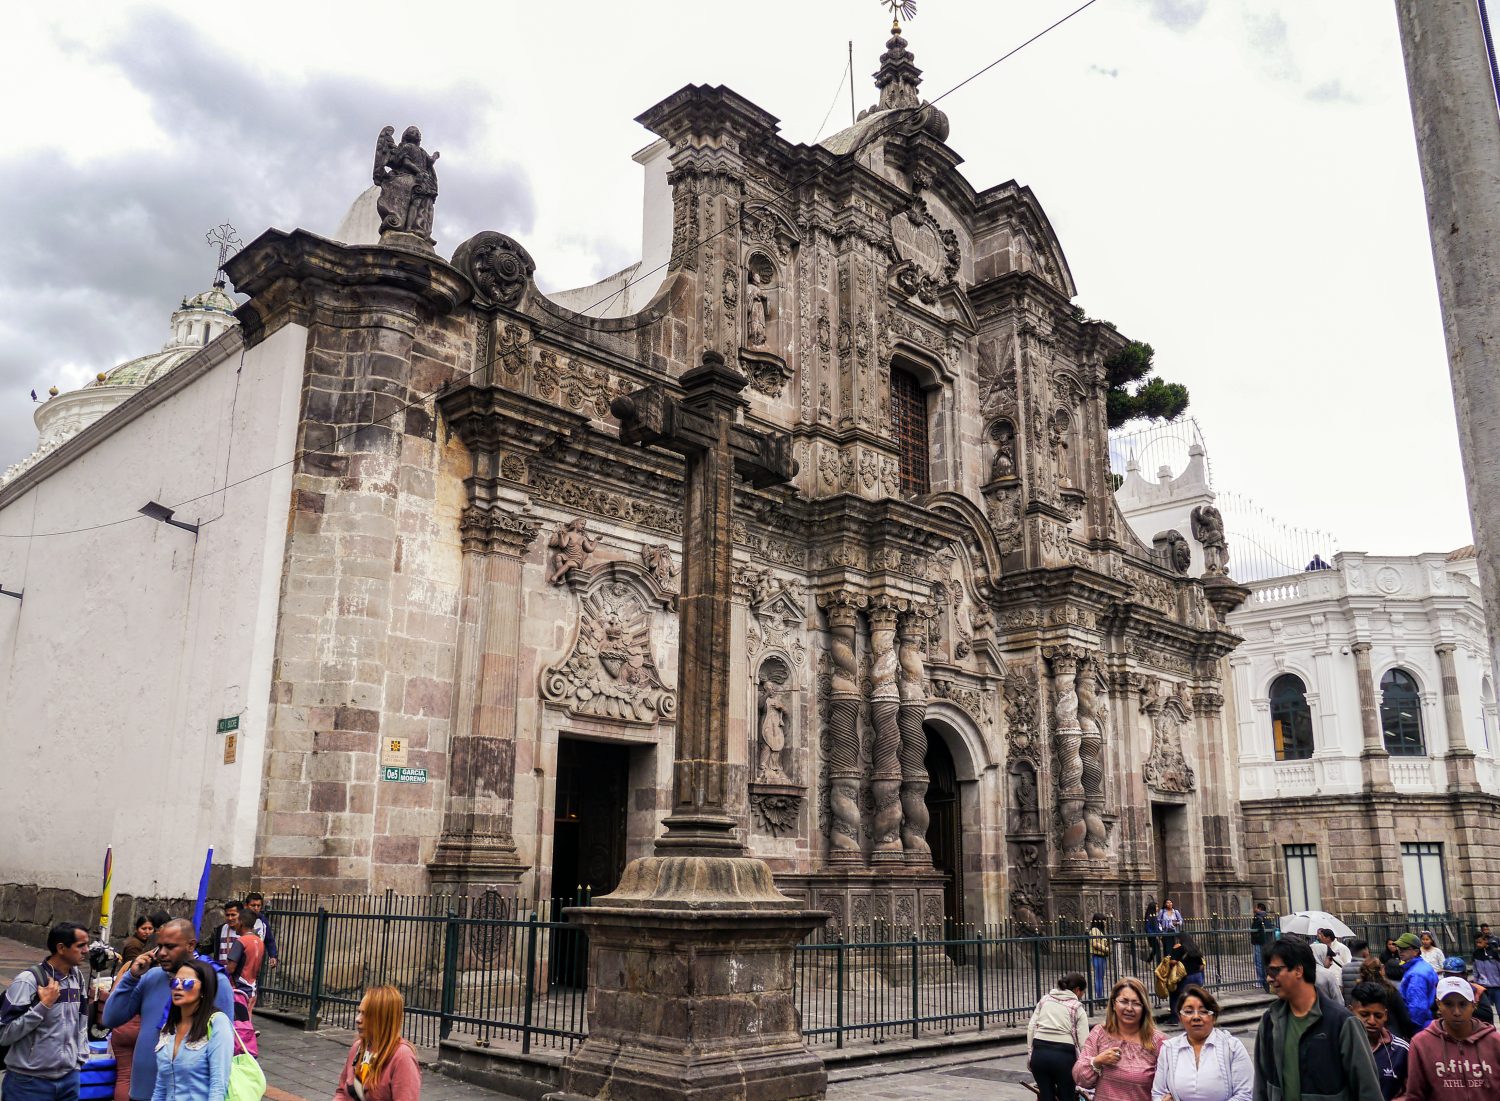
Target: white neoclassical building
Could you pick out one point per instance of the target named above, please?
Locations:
(1364, 700)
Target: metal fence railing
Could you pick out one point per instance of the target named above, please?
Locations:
(497, 972)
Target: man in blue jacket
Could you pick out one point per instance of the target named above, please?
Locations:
(146, 989)
(1418, 981)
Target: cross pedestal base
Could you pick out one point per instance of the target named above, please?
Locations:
(690, 987)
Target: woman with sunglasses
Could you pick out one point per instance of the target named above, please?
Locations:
(197, 1041)
(1204, 1063)
(1118, 1060)
(381, 1065)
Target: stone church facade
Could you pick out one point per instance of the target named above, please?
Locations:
(963, 690)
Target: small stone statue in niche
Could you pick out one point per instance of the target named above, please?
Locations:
(571, 545)
(756, 298)
(773, 716)
(407, 177)
(1003, 466)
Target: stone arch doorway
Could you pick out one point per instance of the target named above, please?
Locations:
(945, 826)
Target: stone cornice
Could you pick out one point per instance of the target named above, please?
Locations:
(294, 274)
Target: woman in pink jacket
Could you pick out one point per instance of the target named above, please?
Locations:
(1118, 1060)
(381, 1065)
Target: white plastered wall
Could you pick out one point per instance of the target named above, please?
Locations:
(133, 640)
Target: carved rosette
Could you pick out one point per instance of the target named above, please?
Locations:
(497, 265)
(610, 672)
(776, 807)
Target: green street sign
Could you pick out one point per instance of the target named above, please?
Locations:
(404, 775)
(231, 723)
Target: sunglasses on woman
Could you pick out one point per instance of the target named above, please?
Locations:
(184, 984)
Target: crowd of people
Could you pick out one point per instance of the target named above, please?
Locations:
(179, 1012)
(1346, 1025)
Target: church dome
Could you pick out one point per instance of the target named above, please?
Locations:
(200, 319)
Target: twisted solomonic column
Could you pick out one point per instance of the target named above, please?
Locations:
(1068, 742)
(909, 719)
(1093, 721)
(844, 773)
(885, 705)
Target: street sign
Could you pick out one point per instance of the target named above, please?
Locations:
(230, 748)
(231, 723)
(405, 775)
(392, 751)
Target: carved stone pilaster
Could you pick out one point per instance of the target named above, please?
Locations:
(1093, 721)
(494, 530)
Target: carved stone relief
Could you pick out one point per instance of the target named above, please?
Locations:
(1166, 769)
(610, 672)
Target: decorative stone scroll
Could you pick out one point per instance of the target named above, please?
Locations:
(498, 267)
(610, 672)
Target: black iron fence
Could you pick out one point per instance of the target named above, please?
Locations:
(502, 973)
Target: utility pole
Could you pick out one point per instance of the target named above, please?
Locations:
(1453, 107)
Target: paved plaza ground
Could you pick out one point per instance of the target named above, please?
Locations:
(302, 1066)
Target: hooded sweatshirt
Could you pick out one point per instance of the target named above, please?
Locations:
(1440, 1066)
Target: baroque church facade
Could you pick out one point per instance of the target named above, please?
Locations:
(962, 689)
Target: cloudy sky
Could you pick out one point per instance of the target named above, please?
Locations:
(1234, 182)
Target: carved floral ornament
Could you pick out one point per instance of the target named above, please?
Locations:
(498, 267)
(1166, 768)
(610, 672)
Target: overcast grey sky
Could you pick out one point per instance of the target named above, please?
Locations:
(1234, 182)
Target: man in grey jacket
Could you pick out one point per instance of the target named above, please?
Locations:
(44, 1021)
(1308, 1046)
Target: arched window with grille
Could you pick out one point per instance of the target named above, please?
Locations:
(1401, 714)
(909, 427)
(1291, 719)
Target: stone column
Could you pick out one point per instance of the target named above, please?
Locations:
(844, 774)
(1374, 757)
(1460, 756)
(1093, 721)
(1458, 147)
(909, 679)
(477, 847)
(1069, 740)
(885, 706)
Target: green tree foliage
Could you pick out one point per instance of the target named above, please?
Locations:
(1133, 396)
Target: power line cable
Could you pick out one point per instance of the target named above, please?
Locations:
(522, 345)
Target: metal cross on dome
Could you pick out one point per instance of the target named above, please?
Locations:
(227, 240)
(900, 9)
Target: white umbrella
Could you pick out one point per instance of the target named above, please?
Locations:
(1308, 922)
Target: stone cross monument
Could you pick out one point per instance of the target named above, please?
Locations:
(690, 959)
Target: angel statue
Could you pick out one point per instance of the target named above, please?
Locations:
(1208, 529)
(407, 179)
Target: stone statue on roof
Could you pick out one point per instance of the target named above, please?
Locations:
(407, 178)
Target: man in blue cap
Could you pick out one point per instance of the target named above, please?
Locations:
(1418, 980)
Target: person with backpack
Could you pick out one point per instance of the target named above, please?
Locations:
(1262, 931)
(44, 1024)
(145, 990)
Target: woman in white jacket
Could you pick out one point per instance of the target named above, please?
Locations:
(1059, 1025)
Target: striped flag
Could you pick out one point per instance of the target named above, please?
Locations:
(106, 894)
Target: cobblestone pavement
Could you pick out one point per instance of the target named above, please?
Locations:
(302, 1066)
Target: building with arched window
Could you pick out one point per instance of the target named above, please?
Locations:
(1365, 714)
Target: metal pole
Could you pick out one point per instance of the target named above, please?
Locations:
(1036, 965)
(851, 82)
(530, 984)
(450, 976)
(916, 993)
(320, 948)
(839, 1010)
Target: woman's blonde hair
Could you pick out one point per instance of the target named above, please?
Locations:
(1148, 1023)
(383, 1009)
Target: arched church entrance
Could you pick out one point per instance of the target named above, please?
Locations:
(945, 827)
(588, 839)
